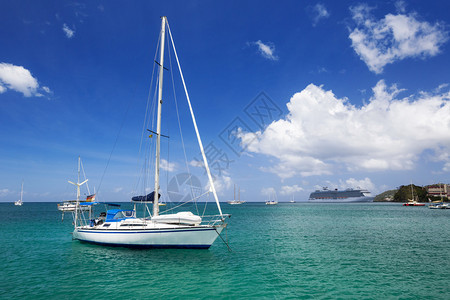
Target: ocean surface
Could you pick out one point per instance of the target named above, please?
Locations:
(285, 251)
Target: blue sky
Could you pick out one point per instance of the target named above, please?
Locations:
(349, 94)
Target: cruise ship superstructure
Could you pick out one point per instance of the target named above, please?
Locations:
(336, 196)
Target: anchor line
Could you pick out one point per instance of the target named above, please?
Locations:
(225, 242)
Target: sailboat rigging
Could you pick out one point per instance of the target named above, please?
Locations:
(412, 201)
(72, 205)
(119, 227)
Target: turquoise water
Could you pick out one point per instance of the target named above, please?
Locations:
(287, 251)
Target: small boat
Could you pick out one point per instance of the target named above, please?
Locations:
(292, 200)
(236, 202)
(413, 202)
(272, 200)
(20, 202)
(71, 205)
(441, 204)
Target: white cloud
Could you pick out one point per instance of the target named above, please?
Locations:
(400, 6)
(46, 89)
(365, 183)
(446, 167)
(19, 79)
(4, 192)
(69, 32)
(442, 154)
(165, 165)
(289, 190)
(322, 133)
(266, 50)
(393, 38)
(319, 12)
(268, 191)
(196, 163)
(221, 184)
(118, 189)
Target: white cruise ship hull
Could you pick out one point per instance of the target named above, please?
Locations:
(152, 236)
(343, 200)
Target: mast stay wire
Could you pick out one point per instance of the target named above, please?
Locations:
(179, 127)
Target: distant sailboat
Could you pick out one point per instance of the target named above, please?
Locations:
(272, 199)
(71, 205)
(292, 200)
(412, 201)
(20, 202)
(440, 204)
(234, 201)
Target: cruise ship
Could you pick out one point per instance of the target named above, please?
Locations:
(336, 196)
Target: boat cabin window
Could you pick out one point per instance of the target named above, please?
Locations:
(116, 215)
(128, 213)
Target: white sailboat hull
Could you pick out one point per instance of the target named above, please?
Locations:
(71, 207)
(172, 236)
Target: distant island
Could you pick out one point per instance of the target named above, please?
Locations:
(433, 192)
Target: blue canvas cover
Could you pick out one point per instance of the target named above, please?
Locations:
(116, 215)
(147, 198)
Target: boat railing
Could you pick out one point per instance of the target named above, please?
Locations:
(212, 220)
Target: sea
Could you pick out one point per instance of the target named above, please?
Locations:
(284, 251)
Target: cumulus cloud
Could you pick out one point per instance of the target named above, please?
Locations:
(269, 191)
(4, 192)
(365, 183)
(46, 89)
(19, 79)
(69, 32)
(323, 133)
(319, 12)
(221, 184)
(165, 165)
(289, 190)
(118, 189)
(393, 38)
(266, 50)
(197, 163)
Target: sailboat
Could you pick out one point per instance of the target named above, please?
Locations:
(439, 204)
(20, 202)
(234, 201)
(412, 201)
(272, 199)
(120, 227)
(71, 205)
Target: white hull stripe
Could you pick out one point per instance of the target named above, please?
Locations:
(127, 231)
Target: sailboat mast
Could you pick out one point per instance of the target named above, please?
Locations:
(78, 181)
(21, 192)
(158, 122)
